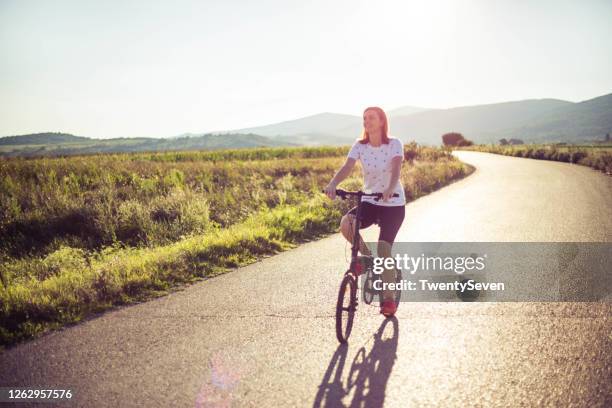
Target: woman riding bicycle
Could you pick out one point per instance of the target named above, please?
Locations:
(381, 159)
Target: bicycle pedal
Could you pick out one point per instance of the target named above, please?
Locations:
(365, 264)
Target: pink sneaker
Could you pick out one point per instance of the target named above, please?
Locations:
(388, 308)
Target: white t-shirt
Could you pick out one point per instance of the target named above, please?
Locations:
(376, 168)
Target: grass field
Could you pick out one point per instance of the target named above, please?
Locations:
(597, 156)
(82, 234)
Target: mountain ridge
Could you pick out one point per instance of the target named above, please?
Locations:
(485, 123)
(532, 120)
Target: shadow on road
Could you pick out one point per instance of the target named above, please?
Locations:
(367, 376)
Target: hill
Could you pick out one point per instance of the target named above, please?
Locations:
(27, 145)
(323, 128)
(585, 121)
(41, 138)
(477, 123)
(425, 126)
(405, 110)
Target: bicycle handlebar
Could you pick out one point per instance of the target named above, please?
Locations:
(343, 194)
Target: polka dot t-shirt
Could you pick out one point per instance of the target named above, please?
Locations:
(376, 169)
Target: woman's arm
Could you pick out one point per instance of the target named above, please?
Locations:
(343, 173)
(396, 168)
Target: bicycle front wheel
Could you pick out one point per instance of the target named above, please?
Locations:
(346, 307)
(368, 290)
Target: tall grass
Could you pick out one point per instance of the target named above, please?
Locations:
(95, 201)
(82, 234)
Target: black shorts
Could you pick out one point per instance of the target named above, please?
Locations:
(388, 218)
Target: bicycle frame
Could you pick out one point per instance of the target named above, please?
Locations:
(356, 235)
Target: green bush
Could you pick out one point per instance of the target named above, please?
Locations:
(577, 156)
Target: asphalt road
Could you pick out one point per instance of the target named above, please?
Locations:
(263, 335)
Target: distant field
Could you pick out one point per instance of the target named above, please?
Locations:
(48, 149)
(597, 156)
(68, 148)
(81, 234)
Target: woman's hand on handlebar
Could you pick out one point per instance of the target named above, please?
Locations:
(330, 190)
(388, 193)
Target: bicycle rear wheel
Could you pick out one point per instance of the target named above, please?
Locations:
(345, 307)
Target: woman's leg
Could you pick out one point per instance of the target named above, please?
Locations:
(347, 226)
(388, 275)
(391, 219)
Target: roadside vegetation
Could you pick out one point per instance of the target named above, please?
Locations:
(597, 156)
(82, 234)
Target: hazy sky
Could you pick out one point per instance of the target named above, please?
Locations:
(146, 68)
